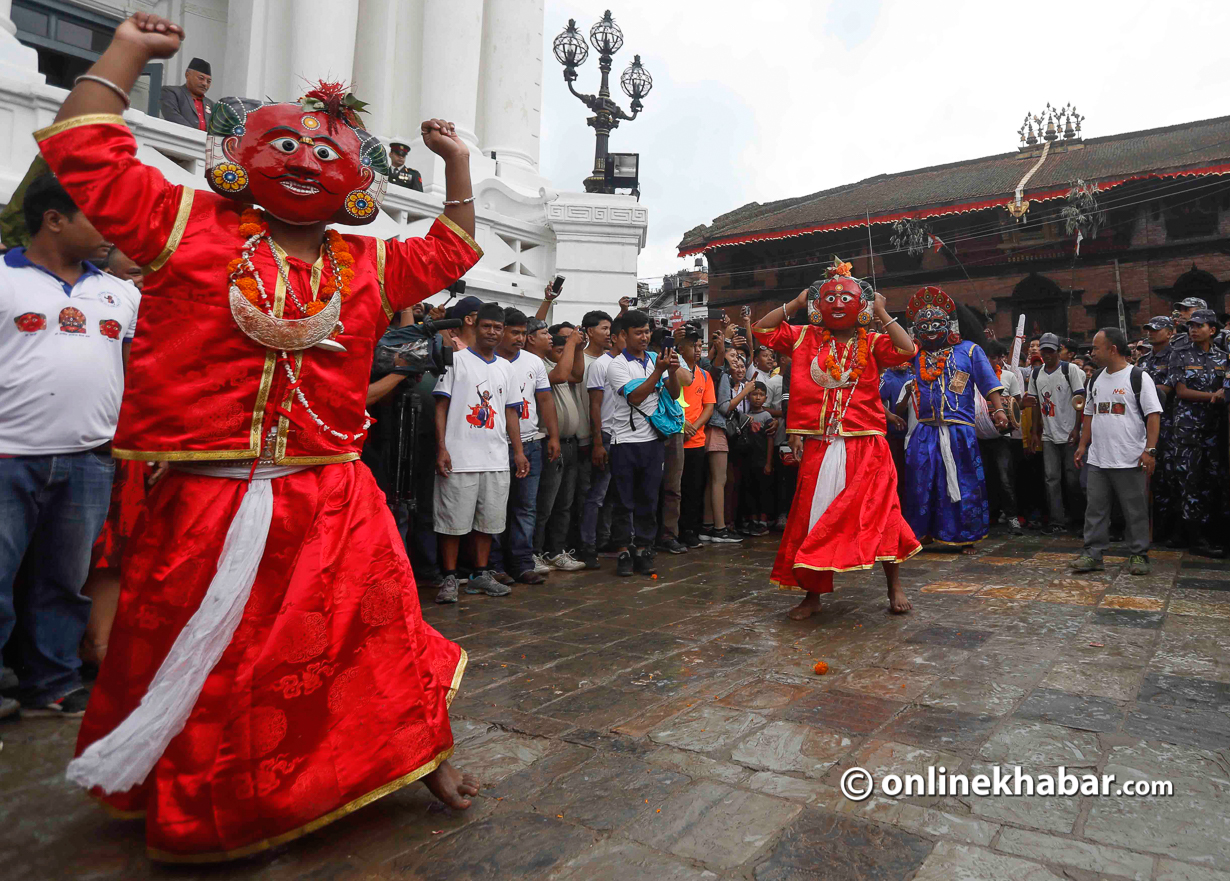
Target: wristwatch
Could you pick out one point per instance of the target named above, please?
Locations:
(1152, 451)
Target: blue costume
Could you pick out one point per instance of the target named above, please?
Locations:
(945, 406)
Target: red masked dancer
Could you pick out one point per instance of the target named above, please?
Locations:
(845, 514)
(269, 670)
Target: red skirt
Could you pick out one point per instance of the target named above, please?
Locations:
(332, 693)
(861, 527)
(127, 505)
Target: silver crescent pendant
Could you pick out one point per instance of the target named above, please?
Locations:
(824, 379)
(287, 334)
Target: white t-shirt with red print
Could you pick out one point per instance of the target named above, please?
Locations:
(476, 433)
(62, 350)
(529, 375)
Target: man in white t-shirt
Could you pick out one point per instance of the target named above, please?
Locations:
(604, 335)
(64, 326)
(514, 556)
(1057, 394)
(638, 452)
(477, 419)
(1119, 445)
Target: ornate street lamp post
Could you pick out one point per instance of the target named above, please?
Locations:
(571, 51)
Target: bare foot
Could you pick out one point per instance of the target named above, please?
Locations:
(451, 786)
(805, 609)
(898, 602)
(968, 551)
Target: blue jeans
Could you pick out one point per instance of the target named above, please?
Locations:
(522, 514)
(637, 473)
(599, 481)
(51, 511)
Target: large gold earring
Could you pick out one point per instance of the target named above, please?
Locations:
(360, 204)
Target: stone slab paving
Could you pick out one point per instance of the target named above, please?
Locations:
(673, 729)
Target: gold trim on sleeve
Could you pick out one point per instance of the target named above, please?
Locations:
(382, 255)
(88, 119)
(802, 336)
(177, 232)
(460, 233)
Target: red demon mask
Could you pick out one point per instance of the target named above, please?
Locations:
(840, 302)
(303, 162)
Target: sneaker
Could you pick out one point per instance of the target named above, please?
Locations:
(564, 561)
(761, 527)
(642, 562)
(541, 566)
(1138, 565)
(1015, 524)
(690, 540)
(488, 583)
(498, 575)
(623, 565)
(706, 533)
(589, 556)
(672, 546)
(71, 706)
(532, 576)
(1053, 529)
(726, 536)
(1086, 563)
(8, 707)
(448, 590)
(779, 525)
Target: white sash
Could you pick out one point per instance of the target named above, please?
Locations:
(124, 758)
(830, 482)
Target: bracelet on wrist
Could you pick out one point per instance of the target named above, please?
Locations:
(120, 93)
(455, 202)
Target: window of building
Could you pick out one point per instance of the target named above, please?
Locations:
(69, 39)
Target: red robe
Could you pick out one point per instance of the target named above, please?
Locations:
(863, 525)
(333, 691)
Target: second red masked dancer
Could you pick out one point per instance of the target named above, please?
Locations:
(269, 670)
(845, 514)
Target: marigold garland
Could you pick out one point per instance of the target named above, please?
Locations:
(929, 375)
(243, 275)
(830, 365)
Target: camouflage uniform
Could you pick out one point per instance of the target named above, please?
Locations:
(1165, 507)
(1197, 449)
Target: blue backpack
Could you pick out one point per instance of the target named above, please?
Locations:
(667, 419)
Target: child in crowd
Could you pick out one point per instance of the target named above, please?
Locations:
(756, 496)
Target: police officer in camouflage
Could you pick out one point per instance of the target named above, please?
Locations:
(400, 173)
(1183, 310)
(1156, 363)
(1197, 375)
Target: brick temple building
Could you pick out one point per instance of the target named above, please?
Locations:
(993, 232)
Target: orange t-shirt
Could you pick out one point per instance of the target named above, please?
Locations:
(695, 396)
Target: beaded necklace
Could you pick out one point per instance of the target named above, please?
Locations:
(244, 275)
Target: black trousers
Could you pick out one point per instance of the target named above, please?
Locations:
(695, 476)
(756, 495)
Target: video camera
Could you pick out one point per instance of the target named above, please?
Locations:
(415, 349)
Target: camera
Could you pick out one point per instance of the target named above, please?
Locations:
(415, 349)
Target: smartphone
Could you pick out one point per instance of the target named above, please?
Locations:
(557, 284)
(632, 302)
(747, 311)
(668, 342)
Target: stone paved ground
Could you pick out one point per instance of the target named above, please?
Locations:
(673, 729)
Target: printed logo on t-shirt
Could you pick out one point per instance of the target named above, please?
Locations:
(110, 300)
(1104, 407)
(1047, 406)
(482, 414)
(72, 320)
(1118, 408)
(31, 322)
(110, 328)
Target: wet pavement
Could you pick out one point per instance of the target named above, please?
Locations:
(673, 729)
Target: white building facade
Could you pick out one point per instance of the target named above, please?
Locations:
(478, 63)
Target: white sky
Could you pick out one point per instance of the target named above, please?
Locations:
(756, 101)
